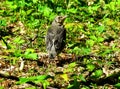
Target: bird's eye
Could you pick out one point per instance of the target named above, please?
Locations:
(59, 17)
(56, 42)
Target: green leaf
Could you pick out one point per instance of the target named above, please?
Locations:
(85, 87)
(35, 22)
(85, 50)
(22, 80)
(93, 38)
(64, 76)
(42, 77)
(3, 23)
(1, 87)
(45, 84)
(117, 85)
(29, 11)
(70, 86)
(17, 53)
(97, 73)
(90, 67)
(119, 78)
(77, 50)
(37, 79)
(106, 51)
(29, 54)
(73, 64)
(34, 1)
(29, 50)
(72, 10)
(18, 40)
(81, 77)
(74, 85)
(59, 9)
(12, 6)
(47, 11)
(100, 39)
(70, 45)
(101, 29)
(90, 42)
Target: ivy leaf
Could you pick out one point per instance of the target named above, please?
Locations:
(81, 77)
(117, 85)
(64, 76)
(97, 73)
(90, 67)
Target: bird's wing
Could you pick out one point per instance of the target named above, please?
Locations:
(56, 34)
(61, 34)
(49, 37)
(60, 39)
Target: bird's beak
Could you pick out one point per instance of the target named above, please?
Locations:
(64, 17)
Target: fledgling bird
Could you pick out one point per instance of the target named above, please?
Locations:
(56, 37)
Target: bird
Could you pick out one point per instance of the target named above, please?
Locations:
(56, 37)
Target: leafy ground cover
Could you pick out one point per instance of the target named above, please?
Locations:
(89, 61)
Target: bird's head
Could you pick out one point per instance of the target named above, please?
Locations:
(59, 20)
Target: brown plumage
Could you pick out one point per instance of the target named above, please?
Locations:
(56, 36)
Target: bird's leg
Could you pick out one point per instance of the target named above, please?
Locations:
(57, 57)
